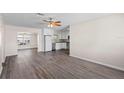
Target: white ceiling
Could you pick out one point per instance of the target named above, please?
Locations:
(33, 20)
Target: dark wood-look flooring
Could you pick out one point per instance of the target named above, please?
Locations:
(54, 65)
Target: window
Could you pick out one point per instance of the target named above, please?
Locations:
(24, 40)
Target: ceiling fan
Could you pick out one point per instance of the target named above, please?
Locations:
(51, 22)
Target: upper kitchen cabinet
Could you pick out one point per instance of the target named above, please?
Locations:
(48, 31)
(65, 33)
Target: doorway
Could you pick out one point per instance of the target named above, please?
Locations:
(26, 40)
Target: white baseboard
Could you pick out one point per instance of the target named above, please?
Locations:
(1, 68)
(3, 60)
(26, 48)
(101, 63)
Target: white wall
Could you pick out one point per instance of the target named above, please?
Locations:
(34, 41)
(11, 37)
(40, 41)
(100, 41)
(2, 55)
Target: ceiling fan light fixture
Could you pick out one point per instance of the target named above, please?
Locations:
(50, 25)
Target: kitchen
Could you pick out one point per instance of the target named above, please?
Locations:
(56, 39)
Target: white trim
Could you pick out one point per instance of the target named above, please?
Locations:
(94, 61)
(3, 59)
(1, 68)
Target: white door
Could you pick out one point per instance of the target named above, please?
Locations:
(48, 43)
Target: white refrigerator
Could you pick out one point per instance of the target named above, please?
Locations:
(47, 43)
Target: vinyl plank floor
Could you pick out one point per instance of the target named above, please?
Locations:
(54, 65)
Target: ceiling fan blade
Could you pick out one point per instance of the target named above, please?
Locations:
(57, 21)
(57, 24)
(45, 20)
(54, 24)
(48, 21)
